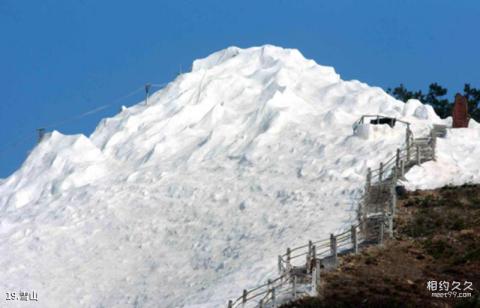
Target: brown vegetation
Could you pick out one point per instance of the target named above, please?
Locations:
(436, 238)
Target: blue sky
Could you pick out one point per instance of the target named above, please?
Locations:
(61, 58)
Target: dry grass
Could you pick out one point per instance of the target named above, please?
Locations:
(437, 237)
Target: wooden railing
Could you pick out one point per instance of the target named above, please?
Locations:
(301, 265)
(383, 179)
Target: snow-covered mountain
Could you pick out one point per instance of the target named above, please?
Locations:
(188, 199)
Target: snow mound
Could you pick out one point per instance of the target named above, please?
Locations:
(57, 164)
(415, 108)
(456, 164)
(188, 199)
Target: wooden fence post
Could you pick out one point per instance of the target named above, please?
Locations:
(288, 258)
(390, 226)
(230, 304)
(394, 175)
(309, 257)
(363, 226)
(353, 231)
(417, 148)
(380, 172)
(333, 248)
(274, 300)
(307, 263)
(271, 289)
(294, 287)
(361, 207)
(260, 303)
(314, 255)
(244, 297)
(393, 201)
(280, 264)
(316, 279)
(397, 160)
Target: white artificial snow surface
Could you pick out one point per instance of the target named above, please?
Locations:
(188, 199)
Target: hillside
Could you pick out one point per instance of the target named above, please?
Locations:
(188, 199)
(436, 238)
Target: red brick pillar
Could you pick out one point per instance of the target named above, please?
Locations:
(460, 112)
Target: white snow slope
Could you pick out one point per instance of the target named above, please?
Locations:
(189, 199)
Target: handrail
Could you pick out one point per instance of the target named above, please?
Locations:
(300, 255)
(324, 248)
(270, 284)
(319, 241)
(324, 245)
(299, 247)
(329, 247)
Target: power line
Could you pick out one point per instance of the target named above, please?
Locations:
(92, 111)
(27, 135)
(103, 107)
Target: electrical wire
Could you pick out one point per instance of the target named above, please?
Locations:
(26, 137)
(92, 111)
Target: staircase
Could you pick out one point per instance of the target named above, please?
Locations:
(380, 195)
(375, 214)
